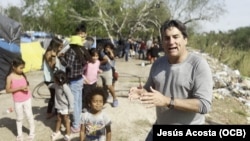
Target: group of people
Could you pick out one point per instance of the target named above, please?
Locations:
(146, 50)
(83, 69)
(71, 74)
(179, 86)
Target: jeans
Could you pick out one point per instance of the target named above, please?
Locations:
(126, 53)
(142, 54)
(76, 87)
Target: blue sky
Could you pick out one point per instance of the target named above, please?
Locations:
(238, 15)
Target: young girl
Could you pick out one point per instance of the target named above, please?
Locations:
(91, 74)
(64, 102)
(17, 84)
(106, 78)
(95, 124)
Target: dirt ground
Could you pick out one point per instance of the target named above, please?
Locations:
(130, 120)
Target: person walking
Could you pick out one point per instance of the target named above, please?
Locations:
(127, 47)
(106, 77)
(17, 84)
(142, 50)
(154, 50)
(180, 83)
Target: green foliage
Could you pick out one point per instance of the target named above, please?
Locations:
(14, 13)
(117, 18)
(241, 38)
(59, 20)
(230, 48)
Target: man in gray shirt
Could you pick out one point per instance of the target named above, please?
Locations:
(180, 83)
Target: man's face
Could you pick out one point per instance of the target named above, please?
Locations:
(174, 43)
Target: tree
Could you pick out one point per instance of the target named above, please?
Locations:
(115, 18)
(101, 11)
(240, 38)
(149, 16)
(123, 16)
(195, 10)
(14, 13)
(58, 17)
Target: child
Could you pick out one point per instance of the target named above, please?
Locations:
(64, 102)
(106, 78)
(95, 124)
(17, 84)
(91, 73)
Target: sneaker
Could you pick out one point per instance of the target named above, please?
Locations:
(19, 138)
(55, 135)
(66, 138)
(115, 103)
(75, 130)
(31, 137)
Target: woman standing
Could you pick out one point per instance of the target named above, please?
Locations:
(49, 63)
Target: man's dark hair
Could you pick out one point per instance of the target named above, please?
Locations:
(81, 28)
(108, 44)
(82, 54)
(175, 23)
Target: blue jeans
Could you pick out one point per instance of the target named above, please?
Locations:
(76, 87)
(126, 53)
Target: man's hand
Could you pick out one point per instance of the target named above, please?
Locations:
(154, 98)
(134, 93)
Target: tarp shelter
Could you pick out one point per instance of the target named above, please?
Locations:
(10, 31)
(32, 54)
(11, 47)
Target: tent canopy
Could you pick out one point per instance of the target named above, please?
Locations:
(10, 30)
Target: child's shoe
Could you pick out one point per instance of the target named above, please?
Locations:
(66, 138)
(74, 130)
(31, 137)
(55, 135)
(19, 138)
(115, 103)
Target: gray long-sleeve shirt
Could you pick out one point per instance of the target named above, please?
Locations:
(190, 79)
(64, 99)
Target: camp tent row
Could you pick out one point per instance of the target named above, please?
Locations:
(11, 47)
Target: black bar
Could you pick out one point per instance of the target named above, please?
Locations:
(213, 132)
